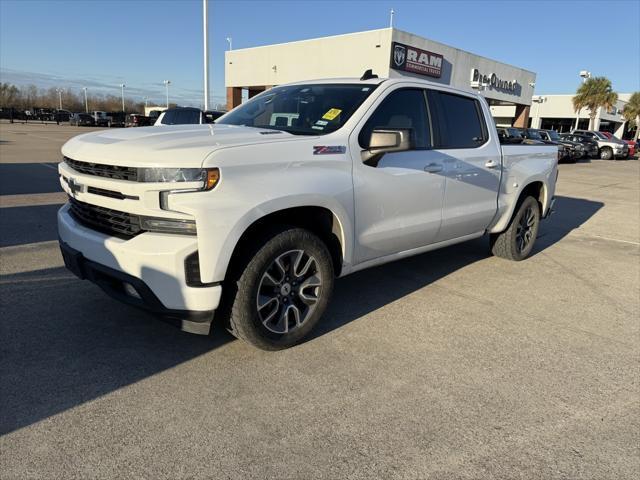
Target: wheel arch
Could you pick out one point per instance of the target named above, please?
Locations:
(538, 189)
(323, 221)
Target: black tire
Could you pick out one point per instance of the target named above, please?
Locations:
(508, 243)
(606, 153)
(245, 321)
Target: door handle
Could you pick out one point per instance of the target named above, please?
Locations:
(433, 168)
(491, 164)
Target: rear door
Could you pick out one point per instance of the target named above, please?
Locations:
(472, 163)
(398, 201)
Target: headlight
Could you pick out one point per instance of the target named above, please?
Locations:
(168, 225)
(208, 176)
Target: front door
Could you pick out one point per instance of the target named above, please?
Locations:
(398, 201)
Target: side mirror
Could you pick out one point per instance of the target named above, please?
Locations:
(387, 140)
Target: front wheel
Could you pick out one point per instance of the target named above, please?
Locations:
(283, 291)
(606, 154)
(516, 242)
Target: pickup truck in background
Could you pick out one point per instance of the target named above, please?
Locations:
(608, 148)
(254, 221)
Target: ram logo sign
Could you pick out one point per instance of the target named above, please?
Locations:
(416, 60)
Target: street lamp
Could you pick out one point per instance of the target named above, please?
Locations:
(86, 103)
(59, 91)
(205, 37)
(229, 41)
(166, 85)
(122, 85)
(584, 74)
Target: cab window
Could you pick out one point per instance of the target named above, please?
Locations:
(405, 108)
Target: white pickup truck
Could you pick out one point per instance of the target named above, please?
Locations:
(253, 218)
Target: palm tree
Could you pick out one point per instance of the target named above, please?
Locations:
(594, 93)
(631, 113)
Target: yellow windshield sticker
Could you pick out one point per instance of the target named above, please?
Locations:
(332, 114)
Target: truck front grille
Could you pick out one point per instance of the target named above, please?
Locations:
(101, 170)
(105, 220)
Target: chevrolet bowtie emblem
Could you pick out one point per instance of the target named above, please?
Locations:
(74, 186)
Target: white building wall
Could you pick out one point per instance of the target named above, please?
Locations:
(561, 106)
(330, 57)
(351, 54)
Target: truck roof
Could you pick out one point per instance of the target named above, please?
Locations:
(378, 81)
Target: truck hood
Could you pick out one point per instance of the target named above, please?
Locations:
(176, 146)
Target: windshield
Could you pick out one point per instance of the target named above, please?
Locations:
(533, 135)
(301, 109)
(601, 135)
(553, 135)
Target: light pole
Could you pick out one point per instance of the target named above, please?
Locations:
(584, 74)
(391, 18)
(166, 85)
(230, 42)
(59, 90)
(122, 85)
(146, 100)
(205, 37)
(86, 103)
(537, 100)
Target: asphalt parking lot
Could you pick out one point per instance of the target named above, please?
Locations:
(450, 365)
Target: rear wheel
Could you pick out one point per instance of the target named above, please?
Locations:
(517, 241)
(283, 291)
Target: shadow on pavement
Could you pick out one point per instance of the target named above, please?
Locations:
(366, 291)
(23, 178)
(22, 225)
(64, 342)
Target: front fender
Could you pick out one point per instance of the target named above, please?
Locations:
(248, 193)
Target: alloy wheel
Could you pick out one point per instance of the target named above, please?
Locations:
(288, 291)
(525, 230)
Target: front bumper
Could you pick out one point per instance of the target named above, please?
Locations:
(152, 264)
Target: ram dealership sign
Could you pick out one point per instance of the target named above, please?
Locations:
(415, 60)
(492, 80)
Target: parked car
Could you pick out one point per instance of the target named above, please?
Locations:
(82, 120)
(139, 120)
(63, 115)
(631, 144)
(590, 146)
(576, 149)
(564, 151)
(607, 149)
(187, 116)
(101, 119)
(257, 220)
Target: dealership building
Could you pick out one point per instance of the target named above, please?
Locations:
(389, 53)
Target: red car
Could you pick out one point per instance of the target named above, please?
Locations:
(631, 143)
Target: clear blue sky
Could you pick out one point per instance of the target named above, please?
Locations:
(103, 43)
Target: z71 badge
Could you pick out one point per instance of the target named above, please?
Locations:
(329, 150)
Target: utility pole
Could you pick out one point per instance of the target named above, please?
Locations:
(166, 84)
(122, 85)
(59, 90)
(205, 32)
(391, 18)
(86, 103)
